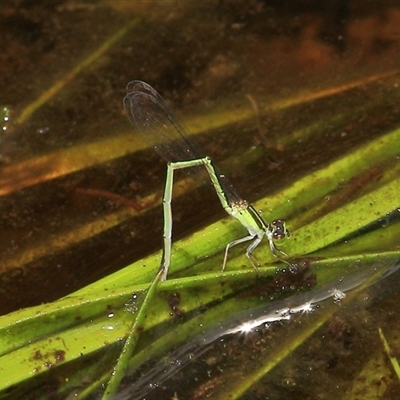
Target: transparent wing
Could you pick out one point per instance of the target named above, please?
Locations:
(151, 116)
(156, 122)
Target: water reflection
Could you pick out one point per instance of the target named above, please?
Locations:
(162, 378)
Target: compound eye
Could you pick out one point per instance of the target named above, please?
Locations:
(279, 230)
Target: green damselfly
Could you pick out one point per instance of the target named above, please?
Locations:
(155, 121)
